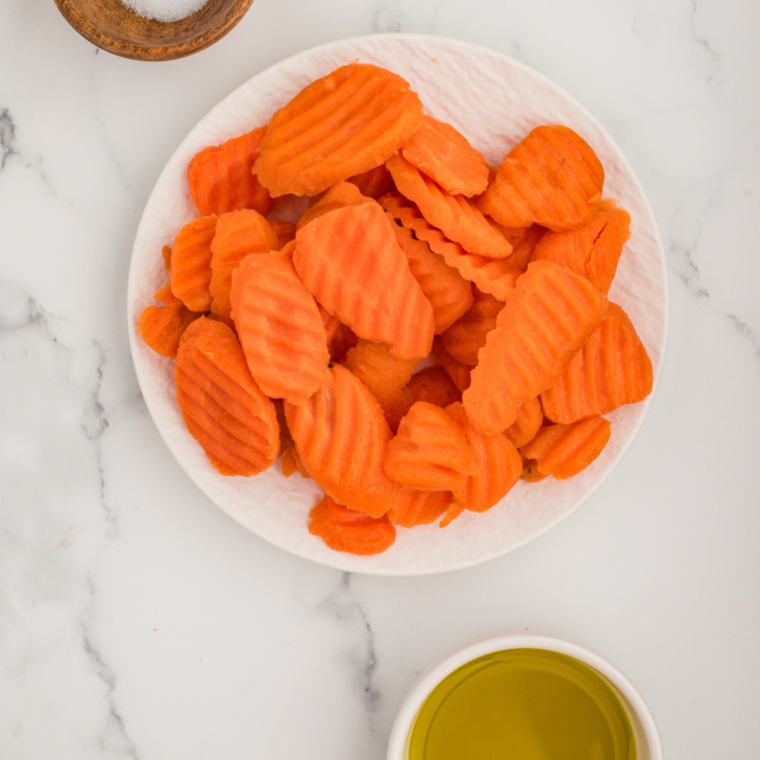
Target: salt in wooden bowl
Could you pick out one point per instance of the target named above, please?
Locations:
(112, 26)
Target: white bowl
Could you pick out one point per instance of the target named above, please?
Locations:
(648, 743)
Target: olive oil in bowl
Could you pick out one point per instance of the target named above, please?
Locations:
(523, 704)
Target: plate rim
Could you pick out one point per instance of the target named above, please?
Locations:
(666, 306)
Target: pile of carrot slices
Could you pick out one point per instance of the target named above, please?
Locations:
(425, 333)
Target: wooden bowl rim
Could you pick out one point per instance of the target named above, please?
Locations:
(156, 53)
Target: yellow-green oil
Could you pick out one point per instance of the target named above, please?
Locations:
(523, 704)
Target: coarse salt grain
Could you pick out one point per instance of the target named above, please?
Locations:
(164, 10)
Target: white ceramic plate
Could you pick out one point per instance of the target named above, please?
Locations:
(495, 101)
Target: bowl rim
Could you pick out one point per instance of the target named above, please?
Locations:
(639, 712)
(169, 52)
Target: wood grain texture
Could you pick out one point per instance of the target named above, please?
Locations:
(119, 30)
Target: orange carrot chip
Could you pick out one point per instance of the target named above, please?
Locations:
(399, 408)
(545, 321)
(464, 339)
(346, 530)
(238, 234)
(552, 178)
(338, 196)
(527, 423)
(456, 216)
(285, 232)
(344, 338)
(430, 451)
(383, 373)
(497, 466)
(566, 450)
(494, 276)
(612, 369)
(419, 507)
(443, 154)
(221, 180)
(457, 371)
(279, 326)
(374, 183)
(593, 249)
(434, 385)
(161, 327)
(223, 408)
(341, 434)
(339, 126)
(350, 260)
(191, 263)
(449, 293)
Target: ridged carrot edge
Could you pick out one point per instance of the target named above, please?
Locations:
(543, 324)
(223, 408)
(565, 450)
(430, 452)
(341, 434)
(494, 276)
(456, 216)
(346, 530)
(279, 326)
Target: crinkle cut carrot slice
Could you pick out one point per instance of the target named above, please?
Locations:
(338, 196)
(457, 371)
(455, 509)
(430, 451)
(545, 321)
(523, 246)
(419, 507)
(340, 434)
(223, 408)
(346, 530)
(530, 472)
(593, 249)
(444, 154)
(399, 408)
(374, 183)
(494, 276)
(497, 466)
(456, 216)
(221, 180)
(434, 385)
(191, 263)
(449, 293)
(565, 450)
(383, 373)
(529, 418)
(161, 327)
(339, 126)
(467, 335)
(238, 234)
(330, 323)
(612, 369)
(350, 260)
(279, 326)
(285, 232)
(343, 339)
(288, 462)
(299, 464)
(552, 178)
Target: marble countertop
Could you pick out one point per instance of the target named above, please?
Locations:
(138, 621)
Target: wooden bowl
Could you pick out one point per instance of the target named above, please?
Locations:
(112, 26)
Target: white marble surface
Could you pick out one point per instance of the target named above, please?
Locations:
(138, 621)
